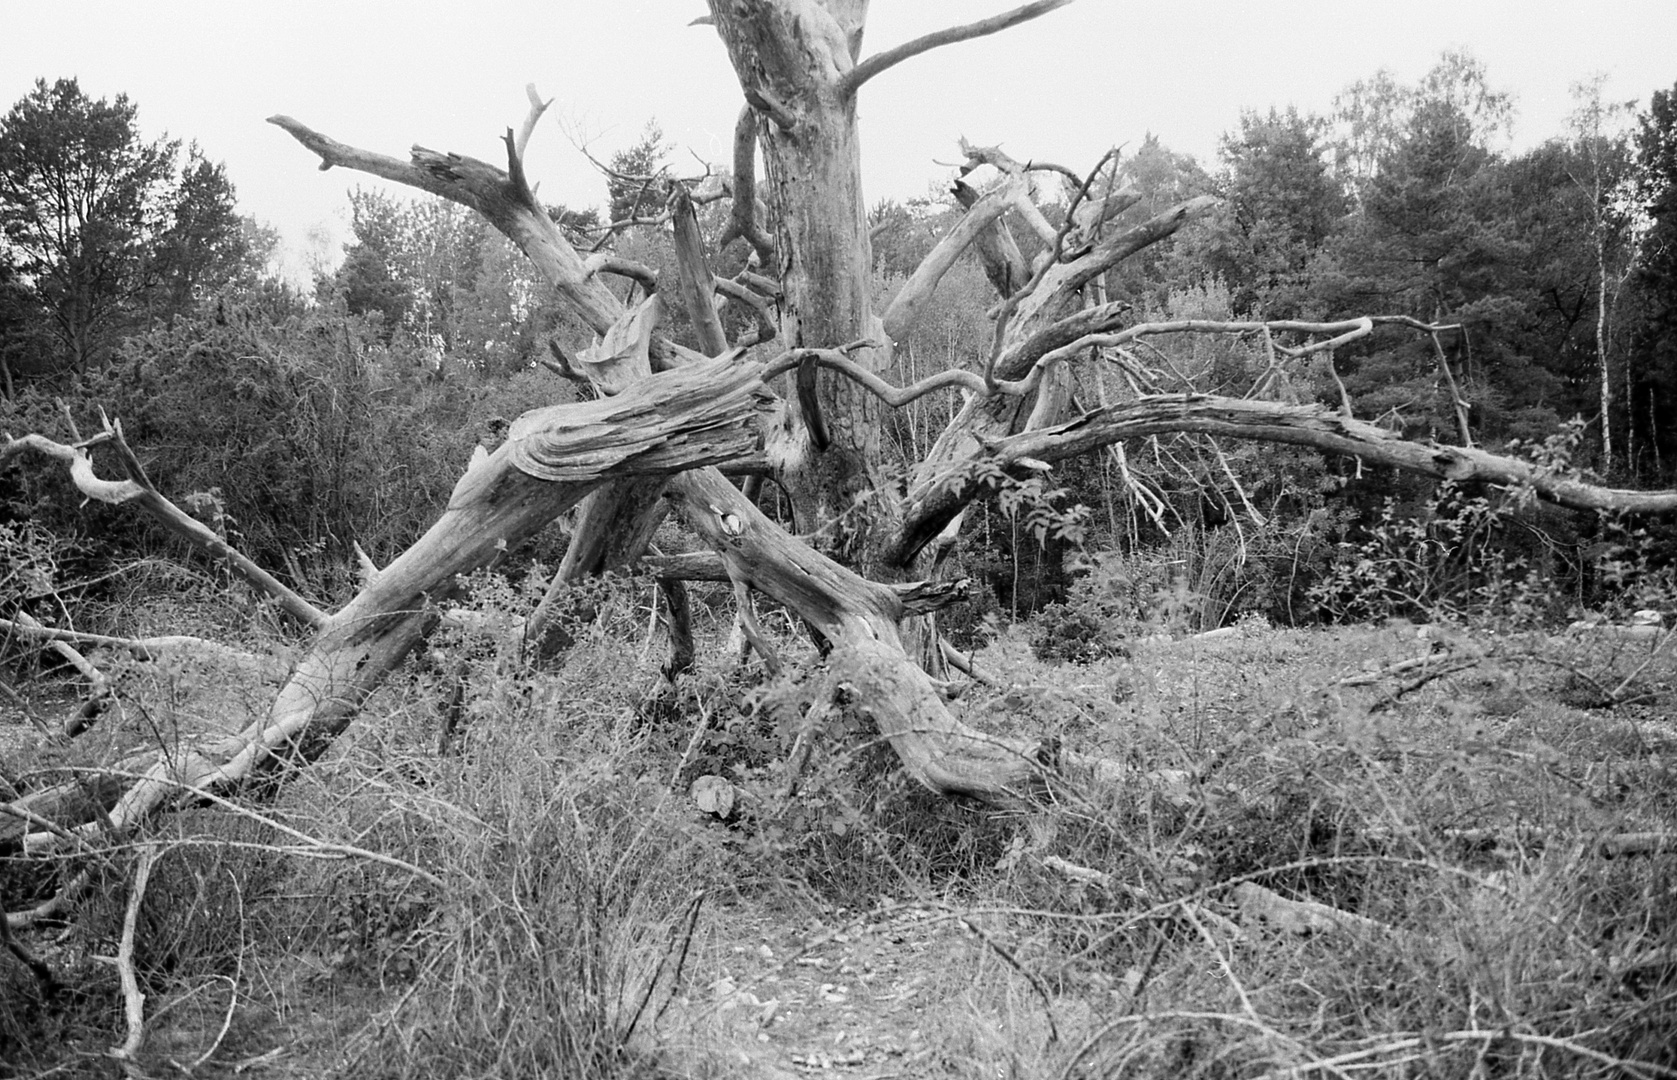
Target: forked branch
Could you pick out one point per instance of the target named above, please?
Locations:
(742, 219)
(497, 194)
(896, 397)
(853, 79)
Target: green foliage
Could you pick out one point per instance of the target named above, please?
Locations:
(636, 186)
(1281, 206)
(1445, 563)
(310, 432)
(1652, 329)
(103, 231)
(1163, 178)
(1077, 631)
(459, 292)
(954, 331)
(1197, 579)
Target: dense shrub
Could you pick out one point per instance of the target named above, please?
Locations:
(294, 433)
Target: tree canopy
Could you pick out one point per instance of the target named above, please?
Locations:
(104, 231)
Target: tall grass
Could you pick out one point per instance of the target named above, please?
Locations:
(590, 922)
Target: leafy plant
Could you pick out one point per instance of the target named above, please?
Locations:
(1444, 563)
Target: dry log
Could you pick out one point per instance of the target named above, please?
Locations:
(153, 648)
(694, 416)
(860, 619)
(693, 277)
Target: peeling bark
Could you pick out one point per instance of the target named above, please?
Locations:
(698, 415)
(860, 618)
(790, 56)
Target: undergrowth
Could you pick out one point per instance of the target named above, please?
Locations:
(539, 895)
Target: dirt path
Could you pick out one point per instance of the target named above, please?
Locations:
(839, 995)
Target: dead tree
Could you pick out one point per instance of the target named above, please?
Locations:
(803, 389)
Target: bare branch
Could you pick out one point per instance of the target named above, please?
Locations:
(734, 290)
(43, 971)
(490, 191)
(1301, 916)
(931, 506)
(764, 101)
(742, 221)
(366, 567)
(995, 157)
(860, 619)
(99, 685)
(604, 262)
(537, 107)
(910, 303)
(925, 597)
(765, 287)
(697, 284)
(1344, 331)
(1004, 264)
(852, 80)
(134, 1000)
(753, 630)
(561, 365)
(1122, 245)
(835, 360)
(151, 649)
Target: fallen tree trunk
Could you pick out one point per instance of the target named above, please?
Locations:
(859, 619)
(936, 501)
(696, 416)
(706, 414)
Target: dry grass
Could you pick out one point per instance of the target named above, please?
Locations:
(863, 928)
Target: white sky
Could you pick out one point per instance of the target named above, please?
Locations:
(383, 74)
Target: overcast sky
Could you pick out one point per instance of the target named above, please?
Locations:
(383, 74)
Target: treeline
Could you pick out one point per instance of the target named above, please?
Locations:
(1556, 269)
(1559, 264)
(308, 420)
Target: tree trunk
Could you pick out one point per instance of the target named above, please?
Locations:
(790, 56)
(1601, 348)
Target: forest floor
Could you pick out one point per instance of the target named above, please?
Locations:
(1484, 821)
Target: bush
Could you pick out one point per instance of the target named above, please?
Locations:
(1448, 562)
(294, 433)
